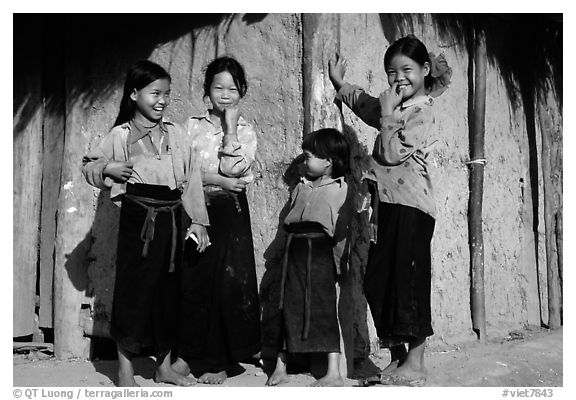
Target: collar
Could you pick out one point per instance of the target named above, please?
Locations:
(136, 134)
(330, 181)
(206, 116)
(415, 101)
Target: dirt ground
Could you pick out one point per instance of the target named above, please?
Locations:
(522, 359)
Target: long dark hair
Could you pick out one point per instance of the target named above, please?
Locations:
(230, 65)
(411, 47)
(140, 75)
(329, 144)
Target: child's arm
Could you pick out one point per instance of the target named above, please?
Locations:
(238, 148)
(366, 107)
(107, 163)
(399, 139)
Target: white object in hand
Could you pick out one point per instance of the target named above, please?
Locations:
(194, 238)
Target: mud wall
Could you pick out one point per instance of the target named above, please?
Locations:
(271, 49)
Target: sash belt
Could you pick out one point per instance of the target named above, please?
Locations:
(308, 295)
(153, 207)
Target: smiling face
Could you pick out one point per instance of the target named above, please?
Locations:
(408, 74)
(152, 100)
(223, 92)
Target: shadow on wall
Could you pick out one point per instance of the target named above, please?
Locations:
(103, 54)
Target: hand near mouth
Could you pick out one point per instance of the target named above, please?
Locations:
(390, 99)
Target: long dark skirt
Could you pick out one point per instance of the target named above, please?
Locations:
(398, 274)
(220, 311)
(146, 294)
(322, 333)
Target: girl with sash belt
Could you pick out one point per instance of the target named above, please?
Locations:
(220, 311)
(316, 254)
(149, 167)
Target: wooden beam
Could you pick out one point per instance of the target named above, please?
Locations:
(53, 143)
(74, 217)
(26, 173)
(551, 132)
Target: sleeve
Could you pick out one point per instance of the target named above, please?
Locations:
(93, 164)
(237, 157)
(366, 107)
(193, 193)
(342, 233)
(399, 138)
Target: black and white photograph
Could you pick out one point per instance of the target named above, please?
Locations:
(323, 199)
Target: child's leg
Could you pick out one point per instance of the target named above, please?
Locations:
(279, 375)
(165, 373)
(413, 367)
(398, 355)
(332, 377)
(125, 368)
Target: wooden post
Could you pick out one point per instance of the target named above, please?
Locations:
(551, 132)
(74, 218)
(26, 173)
(476, 186)
(320, 42)
(53, 142)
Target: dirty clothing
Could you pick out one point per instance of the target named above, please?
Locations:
(316, 253)
(398, 273)
(233, 160)
(149, 252)
(146, 292)
(399, 162)
(171, 163)
(220, 311)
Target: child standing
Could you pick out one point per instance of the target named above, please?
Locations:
(220, 312)
(146, 163)
(317, 226)
(398, 273)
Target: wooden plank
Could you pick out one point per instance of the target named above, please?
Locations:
(74, 215)
(27, 174)
(53, 135)
(549, 129)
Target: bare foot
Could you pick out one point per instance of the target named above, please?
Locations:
(168, 375)
(409, 372)
(390, 368)
(277, 378)
(213, 378)
(181, 367)
(328, 380)
(126, 380)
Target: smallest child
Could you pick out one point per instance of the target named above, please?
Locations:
(315, 254)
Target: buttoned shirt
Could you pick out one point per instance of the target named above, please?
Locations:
(233, 160)
(399, 162)
(169, 162)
